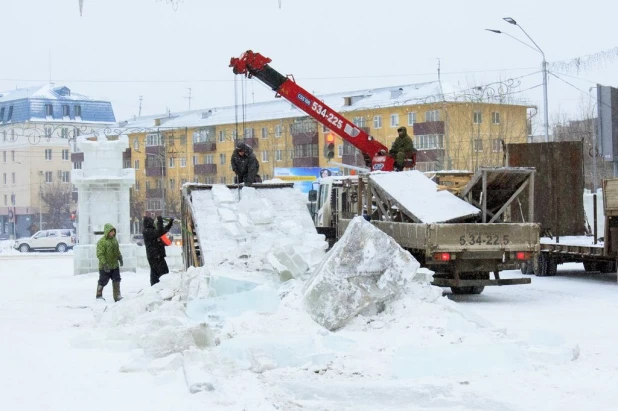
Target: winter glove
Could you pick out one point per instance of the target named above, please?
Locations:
(120, 261)
(106, 268)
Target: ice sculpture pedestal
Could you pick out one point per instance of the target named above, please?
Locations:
(103, 197)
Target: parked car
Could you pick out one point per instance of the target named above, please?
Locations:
(137, 239)
(60, 240)
(4, 236)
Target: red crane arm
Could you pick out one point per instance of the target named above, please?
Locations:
(255, 65)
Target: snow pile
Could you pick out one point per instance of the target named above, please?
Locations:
(365, 268)
(241, 320)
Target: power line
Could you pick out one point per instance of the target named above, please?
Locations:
(229, 81)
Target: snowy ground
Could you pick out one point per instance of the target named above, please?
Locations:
(55, 354)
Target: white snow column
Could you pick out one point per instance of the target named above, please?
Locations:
(103, 197)
(364, 268)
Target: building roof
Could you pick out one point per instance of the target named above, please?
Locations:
(366, 99)
(31, 104)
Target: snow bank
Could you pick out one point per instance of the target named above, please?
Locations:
(242, 325)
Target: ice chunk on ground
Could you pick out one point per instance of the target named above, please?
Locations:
(364, 268)
(197, 377)
(215, 310)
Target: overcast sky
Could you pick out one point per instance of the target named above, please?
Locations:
(122, 49)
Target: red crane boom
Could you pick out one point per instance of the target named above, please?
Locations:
(255, 65)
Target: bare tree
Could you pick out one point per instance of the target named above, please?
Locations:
(138, 205)
(57, 198)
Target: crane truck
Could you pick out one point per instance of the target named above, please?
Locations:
(462, 251)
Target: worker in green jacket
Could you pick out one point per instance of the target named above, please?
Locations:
(110, 261)
(402, 148)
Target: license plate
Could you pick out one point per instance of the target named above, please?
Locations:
(487, 239)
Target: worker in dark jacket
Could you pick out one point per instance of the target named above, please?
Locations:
(155, 249)
(244, 164)
(402, 148)
(110, 259)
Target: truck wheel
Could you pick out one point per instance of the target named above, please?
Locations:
(608, 267)
(591, 266)
(548, 267)
(527, 267)
(475, 289)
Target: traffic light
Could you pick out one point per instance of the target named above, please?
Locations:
(329, 145)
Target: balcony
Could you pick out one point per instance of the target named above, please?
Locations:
(204, 147)
(430, 155)
(305, 132)
(429, 127)
(154, 193)
(155, 171)
(77, 157)
(205, 169)
(306, 162)
(155, 150)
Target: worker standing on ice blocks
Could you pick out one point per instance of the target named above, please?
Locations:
(245, 165)
(402, 148)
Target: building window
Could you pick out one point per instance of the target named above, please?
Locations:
(359, 121)
(12, 155)
(264, 132)
(136, 144)
(49, 176)
(221, 136)
(278, 155)
(340, 150)
(377, 122)
(65, 110)
(49, 110)
(48, 154)
(199, 136)
(154, 140)
(13, 178)
(77, 165)
(76, 132)
(195, 160)
(325, 129)
(147, 185)
(78, 111)
(478, 145)
(222, 180)
(6, 200)
(433, 115)
(136, 164)
(66, 177)
(278, 130)
(4, 156)
(478, 117)
(264, 156)
(126, 163)
(10, 115)
(48, 132)
(394, 120)
(496, 145)
(305, 151)
(183, 161)
(13, 199)
(172, 162)
(209, 159)
(234, 134)
(65, 154)
(411, 118)
(429, 141)
(1, 114)
(136, 185)
(5, 180)
(172, 184)
(495, 117)
(222, 159)
(248, 133)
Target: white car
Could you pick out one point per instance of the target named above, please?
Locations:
(60, 240)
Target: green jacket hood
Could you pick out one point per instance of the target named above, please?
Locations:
(107, 228)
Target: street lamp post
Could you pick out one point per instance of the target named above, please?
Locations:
(543, 65)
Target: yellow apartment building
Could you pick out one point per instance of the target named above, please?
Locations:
(451, 130)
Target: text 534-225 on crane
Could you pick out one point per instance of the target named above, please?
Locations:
(376, 154)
